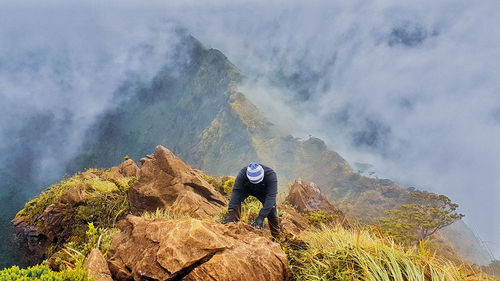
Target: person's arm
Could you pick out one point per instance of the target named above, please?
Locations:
(272, 192)
(237, 193)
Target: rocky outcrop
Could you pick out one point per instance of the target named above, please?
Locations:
(307, 196)
(126, 169)
(166, 182)
(97, 266)
(34, 237)
(53, 223)
(192, 249)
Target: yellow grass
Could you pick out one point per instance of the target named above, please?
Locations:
(340, 254)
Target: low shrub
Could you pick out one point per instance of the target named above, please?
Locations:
(42, 273)
(216, 182)
(320, 217)
(228, 186)
(102, 209)
(104, 203)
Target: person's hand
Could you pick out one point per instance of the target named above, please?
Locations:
(258, 223)
(228, 219)
(231, 216)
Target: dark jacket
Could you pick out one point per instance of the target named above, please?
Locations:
(266, 191)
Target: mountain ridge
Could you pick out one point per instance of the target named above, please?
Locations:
(195, 109)
(162, 220)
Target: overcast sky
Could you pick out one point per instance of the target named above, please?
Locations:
(410, 87)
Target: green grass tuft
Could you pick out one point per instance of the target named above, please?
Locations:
(250, 209)
(75, 252)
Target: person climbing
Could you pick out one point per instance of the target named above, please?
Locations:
(259, 181)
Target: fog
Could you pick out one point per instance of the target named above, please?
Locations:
(410, 88)
(60, 66)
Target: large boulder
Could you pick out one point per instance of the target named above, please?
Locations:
(166, 182)
(192, 249)
(307, 197)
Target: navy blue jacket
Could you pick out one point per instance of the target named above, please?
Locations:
(266, 191)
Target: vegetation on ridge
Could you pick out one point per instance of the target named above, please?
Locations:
(103, 201)
(102, 195)
(419, 220)
(323, 252)
(334, 253)
(74, 253)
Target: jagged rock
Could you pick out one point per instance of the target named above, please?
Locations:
(165, 181)
(97, 266)
(192, 249)
(307, 197)
(145, 158)
(74, 195)
(127, 168)
(291, 221)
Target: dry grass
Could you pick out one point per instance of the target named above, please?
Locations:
(340, 254)
(166, 214)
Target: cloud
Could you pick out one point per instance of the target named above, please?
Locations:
(62, 63)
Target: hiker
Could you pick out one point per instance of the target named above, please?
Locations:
(259, 181)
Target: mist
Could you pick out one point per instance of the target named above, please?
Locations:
(61, 65)
(412, 88)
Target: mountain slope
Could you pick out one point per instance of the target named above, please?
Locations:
(198, 112)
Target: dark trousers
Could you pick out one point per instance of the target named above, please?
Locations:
(235, 212)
